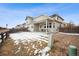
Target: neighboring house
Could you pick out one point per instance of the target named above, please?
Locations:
(21, 26)
(45, 23)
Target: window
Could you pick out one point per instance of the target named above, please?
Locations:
(53, 25)
(41, 29)
(44, 26)
(50, 25)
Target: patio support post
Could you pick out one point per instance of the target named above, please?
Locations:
(46, 25)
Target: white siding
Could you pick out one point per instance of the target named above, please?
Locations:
(29, 21)
(31, 27)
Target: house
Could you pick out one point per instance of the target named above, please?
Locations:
(44, 23)
(21, 26)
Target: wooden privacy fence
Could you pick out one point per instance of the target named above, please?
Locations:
(3, 35)
(74, 29)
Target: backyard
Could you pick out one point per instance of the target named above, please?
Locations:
(32, 43)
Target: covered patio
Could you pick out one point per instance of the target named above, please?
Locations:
(43, 26)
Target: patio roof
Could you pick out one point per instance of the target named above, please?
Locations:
(43, 18)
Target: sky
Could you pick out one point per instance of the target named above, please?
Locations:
(15, 13)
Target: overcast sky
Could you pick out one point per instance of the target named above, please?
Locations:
(13, 14)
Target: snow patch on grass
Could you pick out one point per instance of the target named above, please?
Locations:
(28, 36)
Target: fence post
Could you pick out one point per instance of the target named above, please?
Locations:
(72, 50)
(50, 40)
(2, 37)
(7, 35)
